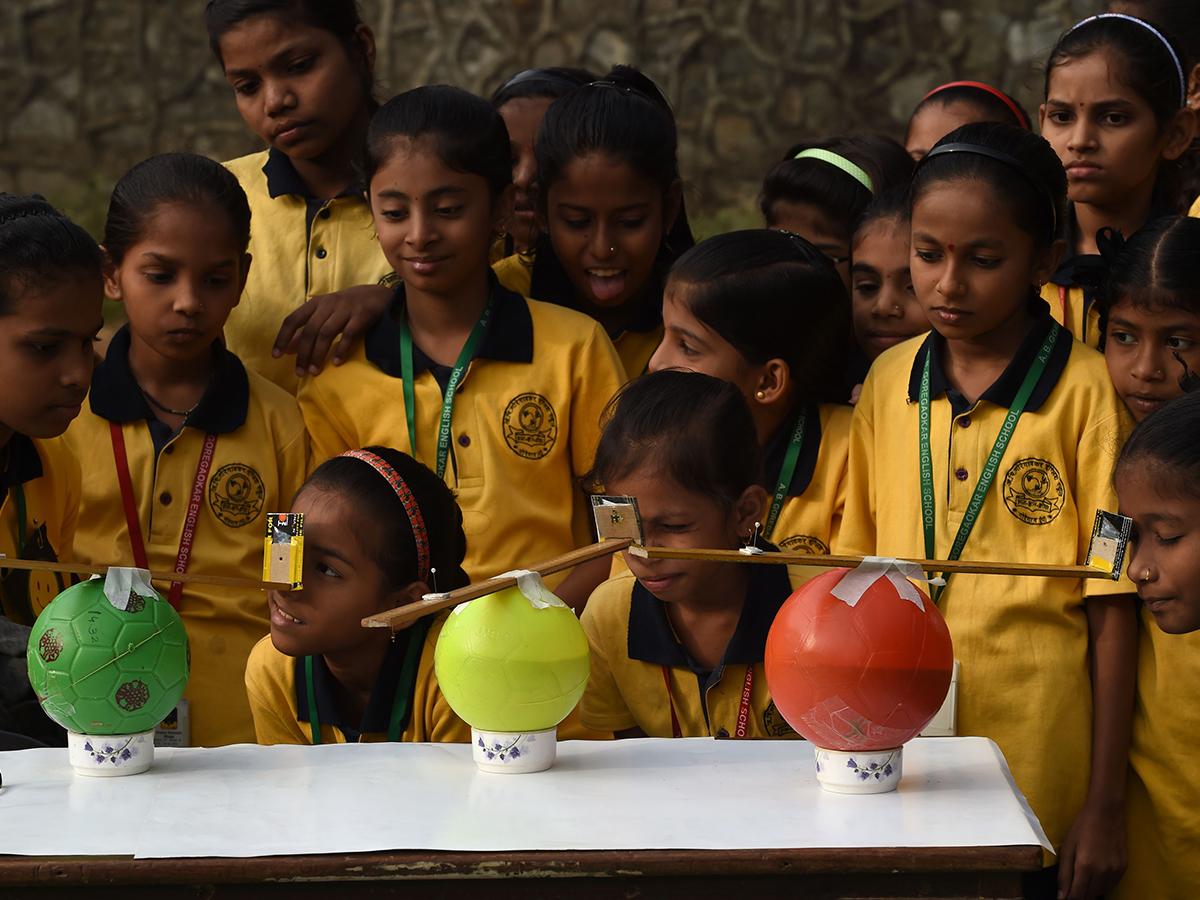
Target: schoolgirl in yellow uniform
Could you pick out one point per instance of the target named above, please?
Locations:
(1151, 304)
(302, 76)
(184, 451)
(1116, 113)
(768, 312)
(611, 200)
(500, 395)
(50, 293)
(677, 646)
(377, 526)
(995, 437)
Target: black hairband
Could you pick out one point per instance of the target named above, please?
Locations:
(541, 75)
(50, 213)
(1000, 156)
(811, 254)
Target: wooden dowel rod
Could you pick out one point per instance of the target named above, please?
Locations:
(929, 565)
(403, 616)
(37, 565)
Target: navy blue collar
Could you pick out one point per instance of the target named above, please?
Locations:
(377, 717)
(508, 336)
(115, 394)
(22, 463)
(282, 179)
(806, 465)
(1003, 391)
(652, 640)
(1087, 269)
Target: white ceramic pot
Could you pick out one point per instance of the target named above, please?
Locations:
(509, 752)
(110, 754)
(872, 772)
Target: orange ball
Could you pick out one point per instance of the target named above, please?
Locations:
(862, 677)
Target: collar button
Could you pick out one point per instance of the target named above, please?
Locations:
(965, 422)
(961, 474)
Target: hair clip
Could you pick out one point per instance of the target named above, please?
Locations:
(1154, 31)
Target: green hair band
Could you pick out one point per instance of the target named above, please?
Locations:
(841, 162)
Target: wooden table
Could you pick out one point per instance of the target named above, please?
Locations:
(243, 824)
(982, 872)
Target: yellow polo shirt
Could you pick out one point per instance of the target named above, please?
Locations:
(259, 462)
(812, 511)
(278, 695)
(1162, 807)
(632, 642)
(46, 473)
(302, 247)
(635, 345)
(1022, 642)
(1070, 307)
(525, 423)
(1194, 212)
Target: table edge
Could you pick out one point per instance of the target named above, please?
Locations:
(387, 866)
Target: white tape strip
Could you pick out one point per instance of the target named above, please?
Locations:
(856, 582)
(120, 583)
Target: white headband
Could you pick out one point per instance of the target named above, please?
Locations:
(1154, 31)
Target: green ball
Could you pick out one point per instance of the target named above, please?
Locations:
(503, 665)
(100, 670)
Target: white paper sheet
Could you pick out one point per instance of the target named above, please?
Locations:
(640, 794)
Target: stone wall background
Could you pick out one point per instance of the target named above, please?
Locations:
(90, 87)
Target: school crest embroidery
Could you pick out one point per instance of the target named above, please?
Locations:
(236, 493)
(774, 724)
(804, 543)
(1034, 492)
(391, 279)
(530, 426)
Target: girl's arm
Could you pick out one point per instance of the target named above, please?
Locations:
(1094, 856)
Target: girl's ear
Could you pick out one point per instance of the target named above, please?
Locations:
(774, 383)
(749, 509)
(1180, 132)
(1041, 118)
(1047, 262)
(404, 596)
(366, 40)
(112, 278)
(502, 209)
(1193, 98)
(672, 203)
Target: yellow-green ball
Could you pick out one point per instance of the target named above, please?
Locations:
(503, 665)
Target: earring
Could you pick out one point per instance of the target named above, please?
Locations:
(750, 545)
(760, 395)
(612, 249)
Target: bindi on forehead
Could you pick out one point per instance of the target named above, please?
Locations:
(951, 247)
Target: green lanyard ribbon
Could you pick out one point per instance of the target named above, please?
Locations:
(460, 368)
(785, 475)
(993, 461)
(404, 687)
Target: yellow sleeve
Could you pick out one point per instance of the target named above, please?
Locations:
(70, 519)
(1099, 447)
(275, 721)
(328, 434)
(598, 375)
(440, 724)
(1194, 212)
(515, 273)
(856, 532)
(293, 463)
(602, 708)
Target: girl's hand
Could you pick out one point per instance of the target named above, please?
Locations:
(1094, 856)
(855, 394)
(309, 331)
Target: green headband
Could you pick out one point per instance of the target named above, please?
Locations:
(841, 162)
